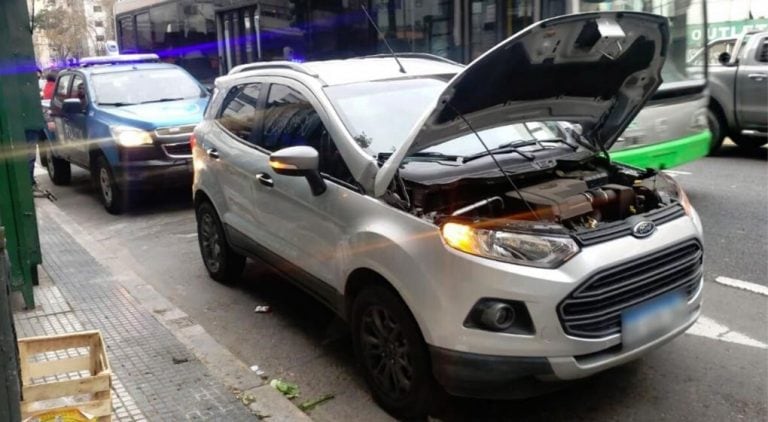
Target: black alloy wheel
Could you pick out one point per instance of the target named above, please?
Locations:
(392, 352)
(223, 264)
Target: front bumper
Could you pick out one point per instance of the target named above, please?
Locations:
(154, 173)
(479, 358)
(505, 377)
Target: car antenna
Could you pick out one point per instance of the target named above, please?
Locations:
(495, 161)
(383, 38)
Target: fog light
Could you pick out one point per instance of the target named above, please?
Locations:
(500, 315)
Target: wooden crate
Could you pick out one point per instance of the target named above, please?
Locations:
(65, 371)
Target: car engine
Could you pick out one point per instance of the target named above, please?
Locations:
(576, 197)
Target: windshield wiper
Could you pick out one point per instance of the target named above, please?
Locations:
(506, 148)
(118, 104)
(162, 100)
(421, 155)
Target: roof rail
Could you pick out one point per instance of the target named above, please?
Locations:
(413, 55)
(271, 65)
(119, 59)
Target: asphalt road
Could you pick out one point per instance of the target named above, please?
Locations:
(718, 371)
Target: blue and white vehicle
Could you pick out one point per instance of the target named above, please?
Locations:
(127, 119)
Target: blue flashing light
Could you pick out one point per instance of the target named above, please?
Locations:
(119, 59)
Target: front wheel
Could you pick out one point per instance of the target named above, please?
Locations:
(59, 170)
(110, 193)
(389, 346)
(223, 264)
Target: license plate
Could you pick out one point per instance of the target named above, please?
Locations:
(649, 320)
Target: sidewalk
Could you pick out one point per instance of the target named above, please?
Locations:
(165, 366)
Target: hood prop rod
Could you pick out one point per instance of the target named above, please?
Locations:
(493, 157)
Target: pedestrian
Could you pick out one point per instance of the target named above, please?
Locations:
(50, 82)
(40, 81)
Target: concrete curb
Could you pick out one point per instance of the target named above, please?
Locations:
(223, 365)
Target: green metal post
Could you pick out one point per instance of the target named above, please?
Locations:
(10, 390)
(19, 112)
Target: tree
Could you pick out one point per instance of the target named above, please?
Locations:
(66, 30)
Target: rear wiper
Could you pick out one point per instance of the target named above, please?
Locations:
(506, 148)
(161, 100)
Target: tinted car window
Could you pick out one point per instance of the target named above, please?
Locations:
(241, 112)
(290, 120)
(61, 88)
(762, 51)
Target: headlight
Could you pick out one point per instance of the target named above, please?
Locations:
(516, 248)
(670, 188)
(130, 136)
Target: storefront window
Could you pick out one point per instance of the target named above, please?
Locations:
(519, 15)
(483, 26)
(143, 32)
(426, 26)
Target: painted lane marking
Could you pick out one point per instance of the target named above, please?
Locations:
(675, 173)
(709, 328)
(743, 285)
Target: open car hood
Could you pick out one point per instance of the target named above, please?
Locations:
(594, 69)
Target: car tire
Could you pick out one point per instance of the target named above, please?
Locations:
(59, 170)
(110, 193)
(749, 142)
(394, 357)
(223, 264)
(717, 126)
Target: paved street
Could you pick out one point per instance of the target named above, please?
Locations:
(716, 372)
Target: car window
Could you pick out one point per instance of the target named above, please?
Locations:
(144, 85)
(61, 88)
(762, 51)
(291, 120)
(241, 112)
(77, 90)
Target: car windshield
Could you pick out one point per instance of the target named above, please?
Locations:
(380, 115)
(144, 86)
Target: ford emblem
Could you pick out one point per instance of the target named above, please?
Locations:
(643, 229)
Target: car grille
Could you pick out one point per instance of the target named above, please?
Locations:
(594, 309)
(182, 149)
(623, 228)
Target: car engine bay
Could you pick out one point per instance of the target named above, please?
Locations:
(578, 195)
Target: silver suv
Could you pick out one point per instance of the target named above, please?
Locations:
(466, 221)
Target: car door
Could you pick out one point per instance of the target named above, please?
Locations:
(752, 85)
(77, 123)
(234, 157)
(61, 93)
(304, 229)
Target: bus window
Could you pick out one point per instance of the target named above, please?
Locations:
(127, 35)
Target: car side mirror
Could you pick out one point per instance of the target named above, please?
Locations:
(72, 106)
(724, 58)
(299, 161)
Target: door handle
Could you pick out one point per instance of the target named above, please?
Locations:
(265, 180)
(757, 76)
(213, 153)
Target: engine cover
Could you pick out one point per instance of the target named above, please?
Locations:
(557, 200)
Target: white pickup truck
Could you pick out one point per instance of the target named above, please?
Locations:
(738, 86)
